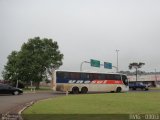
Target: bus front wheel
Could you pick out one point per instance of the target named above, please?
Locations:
(118, 90)
(75, 90)
(84, 90)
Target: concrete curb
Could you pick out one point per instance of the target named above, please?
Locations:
(16, 116)
(30, 104)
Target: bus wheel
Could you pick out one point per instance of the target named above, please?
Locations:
(84, 90)
(118, 90)
(75, 90)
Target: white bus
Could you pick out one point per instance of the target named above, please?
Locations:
(83, 82)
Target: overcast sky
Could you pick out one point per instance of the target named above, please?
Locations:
(85, 29)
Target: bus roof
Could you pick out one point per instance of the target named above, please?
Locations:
(88, 72)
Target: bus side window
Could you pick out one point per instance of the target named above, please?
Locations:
(60, 75)
(87, 76)
(95, 76)
(117, 77)
(67, 75)
(91, 76)
(73, 75)
(84, 76)
(106, 76)
(101, 76)
(110, 77)
(77, 76)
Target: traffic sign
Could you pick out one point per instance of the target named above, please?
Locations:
(95, 63)
(107, 65)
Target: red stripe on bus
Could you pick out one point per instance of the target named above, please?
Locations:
(107, 82)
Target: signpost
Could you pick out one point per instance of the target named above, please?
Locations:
(96, 63)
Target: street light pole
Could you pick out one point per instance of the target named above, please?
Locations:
(117, 59)
(82, 64)
(155, 77)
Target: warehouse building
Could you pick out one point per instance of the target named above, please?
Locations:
(152, 80)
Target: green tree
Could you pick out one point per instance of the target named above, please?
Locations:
(11, 71)
(136, 66)
(35, 57)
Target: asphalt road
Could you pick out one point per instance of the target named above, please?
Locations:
(150, 90)
(14, 103)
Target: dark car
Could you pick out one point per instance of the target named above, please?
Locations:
(138, 85)
(7, 89)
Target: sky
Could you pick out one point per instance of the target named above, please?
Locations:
(85, 29)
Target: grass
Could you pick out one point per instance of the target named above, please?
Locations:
(97, 105)
(154, 88)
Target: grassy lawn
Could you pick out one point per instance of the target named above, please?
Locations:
(96, 105)
(154, 88)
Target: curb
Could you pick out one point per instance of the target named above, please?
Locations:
(20, 112)
(30, 104)
(16, 116)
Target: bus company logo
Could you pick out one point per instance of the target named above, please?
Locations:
(79, 81)
(95, 82)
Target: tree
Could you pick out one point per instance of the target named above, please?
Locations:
(34, 58)
(136, 66)
(11, 71)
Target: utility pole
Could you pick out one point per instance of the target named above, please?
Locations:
(117, 59)
(155, 77)
(82, 64)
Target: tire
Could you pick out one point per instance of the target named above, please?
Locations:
(16, 93)
(75, 90)
(84, 90)
(119, 89)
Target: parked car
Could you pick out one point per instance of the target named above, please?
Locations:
(138, 85)
(7, 89)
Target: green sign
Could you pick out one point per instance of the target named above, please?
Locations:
(107, 65)
(95, 63)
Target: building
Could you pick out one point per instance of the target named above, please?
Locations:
(152, 80)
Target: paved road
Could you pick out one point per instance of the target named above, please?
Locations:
(150, 90)
(12, 104)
